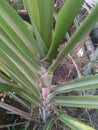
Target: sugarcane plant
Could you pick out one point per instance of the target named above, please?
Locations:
(27, 61)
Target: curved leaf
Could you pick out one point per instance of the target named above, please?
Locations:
(73, 123)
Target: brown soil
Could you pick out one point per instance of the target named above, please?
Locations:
(64, 73)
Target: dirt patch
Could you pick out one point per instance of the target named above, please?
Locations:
(64, 72)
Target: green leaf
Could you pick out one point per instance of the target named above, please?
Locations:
(8, 46)
(64, 20)
(6, 87)
(48, 124)
(21, 74)
(12, 51)
(83, 83)
(84, 28)
(23, 89)
(40, 43)
(32, 6)
(15, 77)
(77, 101)
(46, 9)
(7, 31)
(16, 29)
(71, 122)
(15, 55)
(16, 62)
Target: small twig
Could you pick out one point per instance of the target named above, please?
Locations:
(75, 65)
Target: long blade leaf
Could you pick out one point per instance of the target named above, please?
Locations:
(6, 87)
(85, 27)
(16, 77)
(34, 12)
(8, 46)
(11, 23)
(40, 43)
(20, 71)
(85, 83)
(73, 123)
(46, 8)
(64, 20)
(77, 101)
